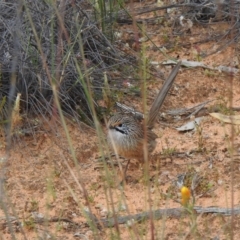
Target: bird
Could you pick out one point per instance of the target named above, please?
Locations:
(127, 135)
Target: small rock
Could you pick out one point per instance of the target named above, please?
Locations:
(220, 182)
(104, 213)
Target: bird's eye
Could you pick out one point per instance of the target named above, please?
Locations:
(120, 124)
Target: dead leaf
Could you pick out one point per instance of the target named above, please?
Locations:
(190, 125)
(234, 119)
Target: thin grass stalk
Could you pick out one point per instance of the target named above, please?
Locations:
(88, 94)
(3, 196)
(232, 148)
(146, 155)
(131, 15)
(56, 98)
(99, 132)
(84, 192)
(87, 87)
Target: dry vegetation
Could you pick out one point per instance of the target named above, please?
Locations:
(68, 63)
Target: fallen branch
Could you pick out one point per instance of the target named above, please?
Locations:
(160, 213)
(139, 217)
(193, 64)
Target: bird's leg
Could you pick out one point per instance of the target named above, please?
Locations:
(126, 168)
(124, 176)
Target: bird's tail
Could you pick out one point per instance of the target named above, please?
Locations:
(154, 110)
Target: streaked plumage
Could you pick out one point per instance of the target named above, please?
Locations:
(126, 133)
(126, 136)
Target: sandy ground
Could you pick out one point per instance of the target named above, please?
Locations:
(44, 182)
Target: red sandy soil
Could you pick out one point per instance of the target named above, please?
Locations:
(42, 178)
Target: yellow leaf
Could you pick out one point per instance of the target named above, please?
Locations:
(234, 119)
